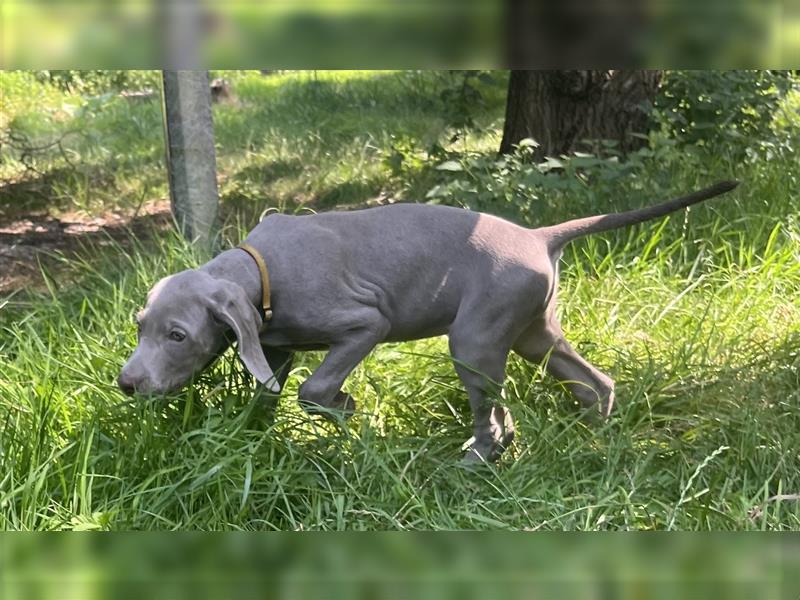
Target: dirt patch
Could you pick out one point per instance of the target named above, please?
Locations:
(30, 241)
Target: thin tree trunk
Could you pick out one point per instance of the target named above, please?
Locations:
(561, 110)
(191, 158)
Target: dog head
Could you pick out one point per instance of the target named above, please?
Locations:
(186, 323)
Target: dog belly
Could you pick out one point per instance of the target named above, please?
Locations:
(407, 335)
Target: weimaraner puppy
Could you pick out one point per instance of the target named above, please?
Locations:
(346, 281)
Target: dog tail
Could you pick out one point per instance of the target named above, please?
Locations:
(560, 235)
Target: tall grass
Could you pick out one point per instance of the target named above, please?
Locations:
(696, 317)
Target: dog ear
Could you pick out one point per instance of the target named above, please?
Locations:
(231, 306)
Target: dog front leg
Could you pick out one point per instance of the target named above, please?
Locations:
(322, 392)
(280, 361)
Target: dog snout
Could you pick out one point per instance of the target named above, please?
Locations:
(126, 383)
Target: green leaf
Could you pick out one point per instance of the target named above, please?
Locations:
(450, 165)
(528, 143)
(551, 163)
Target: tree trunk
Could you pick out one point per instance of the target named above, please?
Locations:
(191, 159)
(561, 110)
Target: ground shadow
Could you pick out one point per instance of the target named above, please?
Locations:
(265, 173)
(35, 241)
(37, 193)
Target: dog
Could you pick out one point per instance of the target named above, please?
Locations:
(347, 281)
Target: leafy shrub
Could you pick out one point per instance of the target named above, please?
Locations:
(732, 108)
(709, 121)
(516, 186)
(463, 99)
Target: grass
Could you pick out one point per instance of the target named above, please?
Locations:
(293, 139)
(696, 317)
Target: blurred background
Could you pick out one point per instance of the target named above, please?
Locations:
(400, 34)
(384, 565)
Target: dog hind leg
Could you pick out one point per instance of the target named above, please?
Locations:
(544, 340)
(480, 361)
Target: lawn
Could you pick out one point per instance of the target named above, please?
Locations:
(696, 317)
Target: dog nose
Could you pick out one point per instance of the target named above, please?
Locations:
(126, 384)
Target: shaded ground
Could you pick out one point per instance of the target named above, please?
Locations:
(32, 237)
(37, 232)
(31, 240)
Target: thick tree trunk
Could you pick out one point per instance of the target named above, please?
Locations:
(562, 109)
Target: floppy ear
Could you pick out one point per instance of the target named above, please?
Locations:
(231, 306)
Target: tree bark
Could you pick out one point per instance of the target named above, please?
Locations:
(561, 110)
(191, 158)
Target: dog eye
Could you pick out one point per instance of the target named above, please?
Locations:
(177, 336)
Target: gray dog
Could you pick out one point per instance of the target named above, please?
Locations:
(346, 281)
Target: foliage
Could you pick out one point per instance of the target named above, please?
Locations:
(96, 82)
(289, 139)
(750, 116)
(528, 192)
(463, 98)
(733, 108)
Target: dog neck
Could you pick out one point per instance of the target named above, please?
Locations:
(266, 300)
(238, 267)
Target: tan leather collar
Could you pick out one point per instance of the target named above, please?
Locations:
(262, 268)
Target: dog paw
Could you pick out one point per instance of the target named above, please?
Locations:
(342, 406)
(472, 457)
(486, 454)
(596, 413)
(344, 403)
(608, 405)
(497, 440)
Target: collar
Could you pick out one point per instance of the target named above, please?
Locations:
(262, 268)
